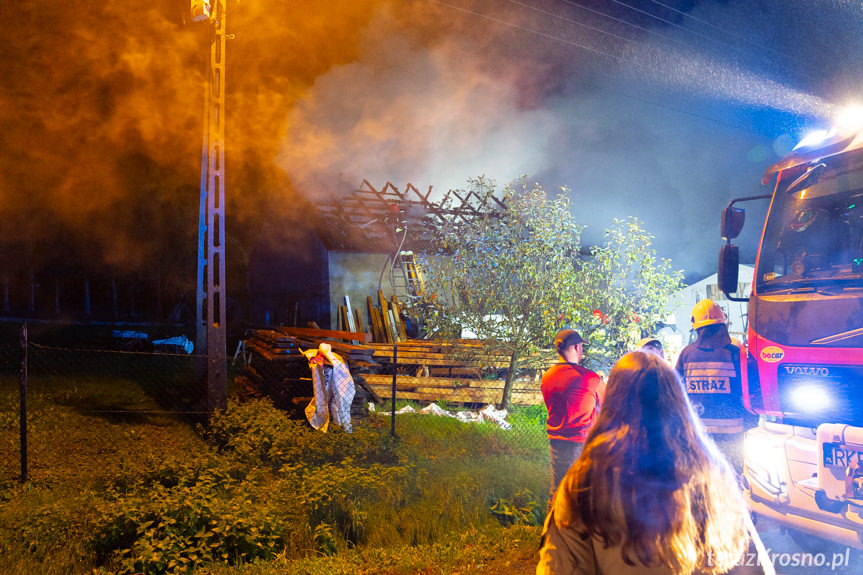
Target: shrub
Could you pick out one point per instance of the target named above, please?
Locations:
(523, 508)
(172, 521)
(258, 431)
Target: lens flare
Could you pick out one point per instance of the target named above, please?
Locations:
(810, 398)
(850, 118)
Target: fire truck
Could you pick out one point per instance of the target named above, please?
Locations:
(802, 365)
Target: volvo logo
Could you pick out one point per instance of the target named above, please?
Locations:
(806, 370)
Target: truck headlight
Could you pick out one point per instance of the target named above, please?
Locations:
(810, 398)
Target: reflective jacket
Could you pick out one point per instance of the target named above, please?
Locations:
(710, 368)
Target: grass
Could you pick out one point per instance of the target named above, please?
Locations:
(491, 549)
(72, 457)
(114, 490)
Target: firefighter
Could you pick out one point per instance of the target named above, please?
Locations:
(710, 369)
(651, 345)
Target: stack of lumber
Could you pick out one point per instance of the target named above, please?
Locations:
(451, 371)
(458, 372)
(278, 370)
(524, 392)
(272, 345)
(386, 323)
(466, 357)
(275, 368)
(311, 338)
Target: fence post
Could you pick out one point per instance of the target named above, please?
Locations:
(22, 394)
(393, 400)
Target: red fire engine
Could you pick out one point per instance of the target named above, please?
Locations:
(803, 362)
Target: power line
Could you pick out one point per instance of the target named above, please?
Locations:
(714, 40)
(612, 18)
(589, 49)
(569, 20)
(616, 19)
(706, 37)
(732, 34)
(670, 23)
(543, 34)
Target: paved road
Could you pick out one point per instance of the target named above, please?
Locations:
(819, 558)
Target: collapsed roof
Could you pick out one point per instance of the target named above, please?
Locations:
(388, 220)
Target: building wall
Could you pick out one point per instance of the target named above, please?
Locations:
(736, 312)
(289, 283)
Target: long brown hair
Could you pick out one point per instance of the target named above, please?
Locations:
(650, 480)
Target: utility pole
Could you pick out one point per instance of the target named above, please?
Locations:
(211, 341)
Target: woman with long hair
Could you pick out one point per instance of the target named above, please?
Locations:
(650, 493)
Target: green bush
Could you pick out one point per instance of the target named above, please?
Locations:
(334, 494)
(523, 508)
(225, 506)
(258, 431)
(174, 518)
(267, 490)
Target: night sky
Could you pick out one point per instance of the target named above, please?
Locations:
(660, 110)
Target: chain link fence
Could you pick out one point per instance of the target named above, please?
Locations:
(102, 389)
(403, 381)
(115, 383)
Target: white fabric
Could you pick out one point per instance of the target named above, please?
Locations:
(497, 416)
(488, 413)
(333, 390)
(435, 409)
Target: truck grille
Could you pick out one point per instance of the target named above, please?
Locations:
(813, 394)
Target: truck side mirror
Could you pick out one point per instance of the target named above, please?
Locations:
(729, 266)
(732, 222)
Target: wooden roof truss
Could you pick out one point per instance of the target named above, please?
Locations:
(387, 219)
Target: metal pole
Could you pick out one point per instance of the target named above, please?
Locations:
(217, 360)
(22, 394)
(201, 291)
(393, 400)
(211, 336)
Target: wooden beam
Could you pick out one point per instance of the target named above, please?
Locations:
(385, 316)
(453, 390)
(325, 333)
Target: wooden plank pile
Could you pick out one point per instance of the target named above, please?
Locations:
(275, 367)
(461, 357)
(464, 390)
(385, 325)
(462, 371)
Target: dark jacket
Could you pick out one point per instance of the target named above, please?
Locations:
(710, 368)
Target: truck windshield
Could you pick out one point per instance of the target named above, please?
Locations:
(814, 236)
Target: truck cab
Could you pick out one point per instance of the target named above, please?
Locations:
(803, 359)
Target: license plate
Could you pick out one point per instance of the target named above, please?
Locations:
(839, 455)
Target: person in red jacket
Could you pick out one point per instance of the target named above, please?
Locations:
(573, 396)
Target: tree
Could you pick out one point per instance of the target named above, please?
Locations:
(507, 275)
(623, 292)
(514, 276)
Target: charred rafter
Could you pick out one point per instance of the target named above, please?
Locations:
(379, 220)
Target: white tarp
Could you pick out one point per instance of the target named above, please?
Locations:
(488, 413)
